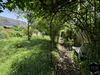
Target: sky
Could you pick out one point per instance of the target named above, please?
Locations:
(12, 15)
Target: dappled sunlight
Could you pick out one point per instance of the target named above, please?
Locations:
(31, 57)
(31, 63)
(33, 48)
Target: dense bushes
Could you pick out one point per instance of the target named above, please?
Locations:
(91, 56)
(11, 33)
(69, 42)
(2, 35)
(16, 31)
(70, 37)
(74, 37)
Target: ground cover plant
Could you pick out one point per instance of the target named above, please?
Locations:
(21, 57)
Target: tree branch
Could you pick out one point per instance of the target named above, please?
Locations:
(76, 13)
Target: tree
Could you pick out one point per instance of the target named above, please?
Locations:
(2, 6)
(42, 7)
(29, 16)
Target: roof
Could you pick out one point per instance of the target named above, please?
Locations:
(7, 23)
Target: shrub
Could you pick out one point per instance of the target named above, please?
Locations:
(25, 31)
(4, 31)
(18, 28)
(11, 33)
(69, 42)
(18, 34)
(2, 35)
(17, 44)
(91, 56)
(36, 31)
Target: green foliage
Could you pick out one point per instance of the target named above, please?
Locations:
(2, 35)
(17, 44)
(77, 43)
(31, 31)
(84, 67)
(5, 33)
(74, 58)
(43, 25)
(34, 25)
(19, 34)
(69, 36)
(35, 31)
(91, 56)
(69, 42)
(2, 6)
(18, 28)
(14, 33)
(11, 33)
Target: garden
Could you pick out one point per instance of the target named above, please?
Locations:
(75, 22)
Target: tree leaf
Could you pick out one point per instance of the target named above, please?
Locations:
(54, 1)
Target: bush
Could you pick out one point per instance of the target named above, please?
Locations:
(36, 31)
(18, 34)
(69, 42)
(17, 28)
(2, 35)
(91, 56)
(17, 44)
(11, 33)
(4, 31)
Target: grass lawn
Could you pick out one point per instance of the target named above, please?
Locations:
(21, 57)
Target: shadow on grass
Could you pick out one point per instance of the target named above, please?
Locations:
(42, 43)
(10, 47)
(36, 62)
(29, 45)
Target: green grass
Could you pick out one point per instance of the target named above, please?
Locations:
(21, 57)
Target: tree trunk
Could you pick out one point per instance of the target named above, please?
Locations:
(28, 33)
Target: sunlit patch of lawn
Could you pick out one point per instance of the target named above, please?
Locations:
(21, 57)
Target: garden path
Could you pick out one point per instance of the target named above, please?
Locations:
(65, 66)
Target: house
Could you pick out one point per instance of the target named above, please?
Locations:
(8, 25)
